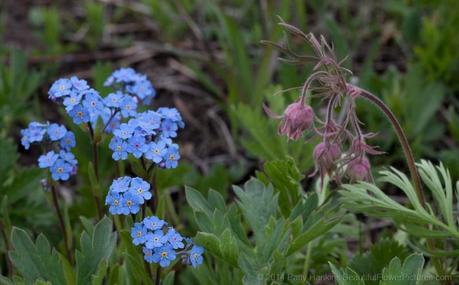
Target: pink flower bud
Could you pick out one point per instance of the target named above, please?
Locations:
(359, 169)
(325, 155)
(296, 119)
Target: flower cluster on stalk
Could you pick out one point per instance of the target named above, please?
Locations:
(149, 135)
(343, 151)
(127, 195)
(58, 141)
(162, 243)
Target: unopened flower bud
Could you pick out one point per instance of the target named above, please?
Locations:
(296, 119)
(45, 185)
(359, 169)
(326, 154)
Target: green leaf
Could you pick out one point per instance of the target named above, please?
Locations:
(169, 278)
(257, 203)
(35, 261)
(285, 177)
(209, 241)
(348, 277)
(228, 247)
(95, 247)
(379, 255)
(407, 274)
(197, 201)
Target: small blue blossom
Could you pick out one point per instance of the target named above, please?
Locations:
(35, 132)
(47, 160)
(156, 151)
(164, 255)
(171, 158)
(79, 114)
(60, 88)
(148, 255)
(169, 129)
(61, 170)
(93, 102)
(195, 256)
(114, 99)
(72, 100)
(161, 245)
(124, 131)
(138, 234)
(114, 200)
(141, 188)
(128, 194)
(171, 114)
(119, 148)
(68, 141)
(56, 132)
(121, 184)
(174, 239)
(142, 89)
(128, 106)
(137, 146)
(79, 84)
(155, 239)
(68, 157)
(149, 122)
(122, 75)
(130, 203)
(154, 223)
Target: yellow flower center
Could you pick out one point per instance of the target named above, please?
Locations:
(139, 234)
(164, 254)
(60, 169)
(129, 203)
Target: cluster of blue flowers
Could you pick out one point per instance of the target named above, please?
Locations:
(162, 243)
(60, 161)
(85, 105)
(126, 195)
(130, 82)
(149, 134)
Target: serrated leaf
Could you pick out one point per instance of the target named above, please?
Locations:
(228, 247)
(407, 274)
(346, 277)
(257, 203)
(379, 255)
(94, 248)
(197, 201)
(35, 261)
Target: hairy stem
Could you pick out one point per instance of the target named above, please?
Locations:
(409, 159)
(61, 222)
(403, 141)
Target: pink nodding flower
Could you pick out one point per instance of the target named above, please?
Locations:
(296, 119)
(326, 154)
(359, 169)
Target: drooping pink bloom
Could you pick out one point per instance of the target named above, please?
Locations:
(296, 119)
(359, 169)
(325, 157)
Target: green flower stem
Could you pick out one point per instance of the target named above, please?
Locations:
(409, 159)
(61, 220)
(95, 157)
(307, 261)
(3, 230)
